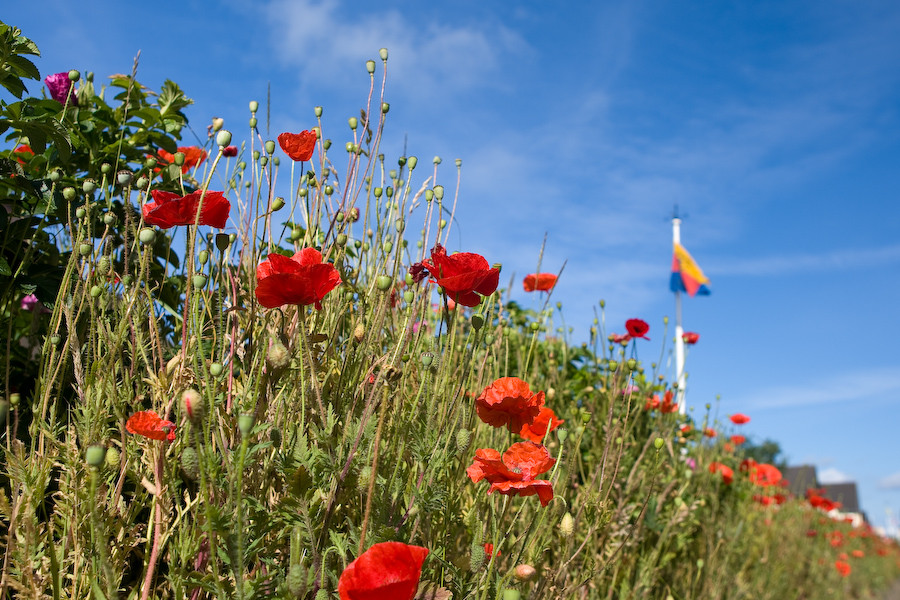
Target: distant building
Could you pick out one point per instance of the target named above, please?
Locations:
(803, 477)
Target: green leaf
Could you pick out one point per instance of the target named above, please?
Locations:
(4, 267)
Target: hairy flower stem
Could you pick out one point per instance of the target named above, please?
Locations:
(157, 526)
(374, 474)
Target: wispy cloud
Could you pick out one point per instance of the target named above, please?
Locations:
(832, 475)
(841, 388)
(782, 265)
(891, 482)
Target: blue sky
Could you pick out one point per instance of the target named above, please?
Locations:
(774, 126)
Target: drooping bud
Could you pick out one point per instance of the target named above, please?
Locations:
(359, 332)
(567, 525)
(525, 572)
(278, 356)
(193, 405)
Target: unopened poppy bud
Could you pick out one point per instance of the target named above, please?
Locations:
(322, 594)
(363, 479)
(476, 556)
(95, 455)
(463, 439)
(112, 457)
(567, 525)
(254, 106)
(278, 356)
(359, 332)
(296, 580)
(190, 463)
(525, 572)
(383, 53)
(631, 364)
(194, 405)
(658, 443)
(245, 424)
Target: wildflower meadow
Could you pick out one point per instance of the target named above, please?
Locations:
(259, 368)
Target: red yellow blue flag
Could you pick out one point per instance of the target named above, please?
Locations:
(686, 275)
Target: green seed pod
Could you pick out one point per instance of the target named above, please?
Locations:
(80, 213)
(534, 325)
(124, 177)
(69, 193)
(142, 183)
(245, 424)
(384, 282)
(14, 399)
(387, 247)
(658, 443)
(74, 75)
(318, 111)
(269, 146)
(252, 123)
(561, 434)
(341, 240)
(215, 369)
(278, 203)
(488, 339)
(95, 455)
(329, 190)
(54, 175)
(203, 256)
(511, 594)
(377, 192)
(383, 53)
(85, 249)
(105, 168)
(254, 106)
(408, 296)
(389, 192)
(178, 158)
(427, 358)
(353, 122)
(411, 162)
(113, 456)
(147, 235)
(385, 107)
(458, 163)
(55, 339)
(223, 138)
(263, 161)
(199, 281)
(110, 218)
(190, 463)
(439, 192)
(463, 439)
(612, 366)
(370, 66)
(631, 364)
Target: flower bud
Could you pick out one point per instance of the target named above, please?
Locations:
(190, 463)
(113, 456)
(353, 122)
(512, 594)
(525, 572)
(463, 439)
(658, 443)
(359, 332)
(278, 356)
(385, 107)
(296, 580)
(567, 525)
(193, 405)
(215, 369)
(245, 424)
(74, 76)
(95, 455)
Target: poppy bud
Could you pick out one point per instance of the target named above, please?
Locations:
(190, 463)
(147, 235)
(74, 75)
(112, 457)
(363, 479)
(631, 364)
(278, 356)
(383, 283)
(658, 443)
(95, 455)
(567, 525)
(142, 183)
(525, 572)
(359, 332)
(322, 594)
(296, 580)
(476, 556)
(194, 405)
(85, 249)
(463, 439)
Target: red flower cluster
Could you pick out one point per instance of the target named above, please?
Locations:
(386, 571)
(168, 209)
(510, 403)
(539, 282)
(842, 567)
(726, 471)
(709, 432)
(302, 279)
(150, 425)
(764, 475)
(739, 419)
(817, 500)
(514, 473)
(737, 439)
(299, 146)
(463, 275)
(690, 337)
(668, 404)
(193, 156)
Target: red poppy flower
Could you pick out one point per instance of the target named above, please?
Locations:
(168, 209)
(728, 447)
(302, 279)
(842, 567)
(739, 419)
(299, 146)
(386, 571)
(764, 500)
(489, 550)
(763, 474)
(858, 553)
(726, 472)
(619, 338)
(709, 432)
(230, 151)
(668, 404)
(690, 337)
(23, 153)
(652, 402)
(637, 328)
(193, 156)
(463, 275)
(510, 403)
(538, 429)
(149, 424)
(737, 439)
(539, 282)
(514, 473)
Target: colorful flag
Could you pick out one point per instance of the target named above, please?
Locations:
(686, 275)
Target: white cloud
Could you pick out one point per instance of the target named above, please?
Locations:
(832, 475)
(839, 388)
(778, 265)
(891, 482)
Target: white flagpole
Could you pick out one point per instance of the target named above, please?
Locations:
(679, 331)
